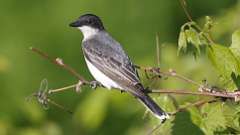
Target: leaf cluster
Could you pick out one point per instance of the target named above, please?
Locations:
(220, 117)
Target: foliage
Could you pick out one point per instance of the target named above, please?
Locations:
(216, 118)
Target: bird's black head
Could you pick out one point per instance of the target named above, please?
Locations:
(90, 20)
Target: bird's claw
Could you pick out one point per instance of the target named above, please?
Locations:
(147, 90)
(94, 84)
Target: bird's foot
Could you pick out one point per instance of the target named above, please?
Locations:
(95, 84)
(147, 90)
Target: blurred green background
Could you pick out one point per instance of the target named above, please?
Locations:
(44, 24)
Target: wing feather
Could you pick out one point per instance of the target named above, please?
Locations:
(113, 62)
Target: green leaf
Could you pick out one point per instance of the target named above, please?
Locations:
(166, 102)
(235, 46)
(195, 115)
(182, 42)
(232, 116)
(183, 125)
(213, 118)
(166, 128)
(193, 37)
(236, 80)
(203, 39)
(224, 61)
(208, 25)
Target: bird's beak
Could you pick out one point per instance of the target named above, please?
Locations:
(75, 24)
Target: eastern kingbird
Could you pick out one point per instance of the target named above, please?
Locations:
(109, 64)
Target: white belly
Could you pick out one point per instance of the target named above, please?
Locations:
(100, 77)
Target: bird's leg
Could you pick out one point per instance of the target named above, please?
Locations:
(95, 84)
(147, 90)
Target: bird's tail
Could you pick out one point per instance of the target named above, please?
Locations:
(153, 107)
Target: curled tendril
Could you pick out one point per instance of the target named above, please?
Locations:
(41, 94)
(42, 98)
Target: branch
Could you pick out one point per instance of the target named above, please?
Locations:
(170, 72)
(203, 90)
(158, 50)
(196, 104)
(229, 95)
(184, 7)
(59, 62)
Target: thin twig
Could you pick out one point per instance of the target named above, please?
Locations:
(59, 62)
(43, 97)
(173, 73)
(170, 72)
(197, 104)
(181, 109)
(61, 89)
(230, 95)
(184, 7)
(157, 50)
(220, 93)
(154, 129)
(59, 106)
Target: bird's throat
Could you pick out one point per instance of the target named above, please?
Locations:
(88, 32)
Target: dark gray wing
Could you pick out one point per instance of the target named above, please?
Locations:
(109, 58)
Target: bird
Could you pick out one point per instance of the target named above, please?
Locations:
(110, 65)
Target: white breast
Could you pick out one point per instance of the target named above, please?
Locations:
(102, 78)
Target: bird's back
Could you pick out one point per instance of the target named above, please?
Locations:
(110, 58)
